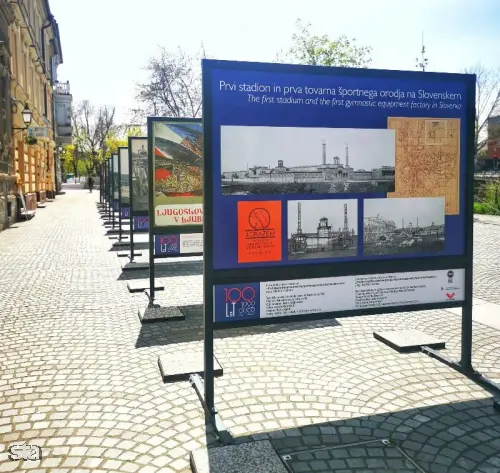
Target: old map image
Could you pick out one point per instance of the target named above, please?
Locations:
(427, 159)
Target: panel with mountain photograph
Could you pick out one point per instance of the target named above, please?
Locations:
(178, 163)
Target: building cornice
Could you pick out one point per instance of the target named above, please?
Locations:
(7, 11)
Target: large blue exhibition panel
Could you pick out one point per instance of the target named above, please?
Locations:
(319, 166)
(376, 101)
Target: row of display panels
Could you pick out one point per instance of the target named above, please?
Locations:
(373, 181)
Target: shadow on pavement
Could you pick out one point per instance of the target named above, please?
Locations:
(191, 329)
(165, 269)
(460, 437)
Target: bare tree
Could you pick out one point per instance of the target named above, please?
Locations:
(173, 87)
(91, 128)
(487, 104)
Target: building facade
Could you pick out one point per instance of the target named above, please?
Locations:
(35, 53)
(7, 175)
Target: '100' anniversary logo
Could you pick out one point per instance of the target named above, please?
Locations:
(240, 302)
(169, 244)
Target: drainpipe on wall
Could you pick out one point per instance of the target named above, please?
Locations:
(44, 27)
(5, 206)
(45, 104)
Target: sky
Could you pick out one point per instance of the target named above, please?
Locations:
(426, 209)
(313, 210)
(264, 146)
(107, 43)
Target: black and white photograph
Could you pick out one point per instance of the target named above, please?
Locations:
(259, 160)
(322, 228)
(140, 202)
(409, 225)
(124, 177)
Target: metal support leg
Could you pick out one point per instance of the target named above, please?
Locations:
(466, 345)
(222, 433)
(471, 373)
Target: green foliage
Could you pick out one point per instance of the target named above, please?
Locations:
(113, 142)
(488, 201)
(74, 162)
(483, 153)
(480, 208)
(134, 130)
(322, 51)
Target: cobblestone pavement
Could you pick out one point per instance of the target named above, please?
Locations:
(79, 374)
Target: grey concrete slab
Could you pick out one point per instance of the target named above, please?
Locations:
(125, 246)
(125, 254)
(160, 314)
(120, 244)
(28, 214)
(408, 340)
(142, 285)
(141, 241)
(117, 230)
(133, 266)
(181, 364)
(161, 264)
(250, 457)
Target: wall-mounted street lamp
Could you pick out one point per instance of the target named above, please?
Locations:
(27, 117)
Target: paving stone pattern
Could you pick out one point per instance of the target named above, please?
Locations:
(79, 374)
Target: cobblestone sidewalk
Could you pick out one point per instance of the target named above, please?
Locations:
(79, 374)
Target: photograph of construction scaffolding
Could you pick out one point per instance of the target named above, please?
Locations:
(396, 226)
(322, 229)
(140, 175)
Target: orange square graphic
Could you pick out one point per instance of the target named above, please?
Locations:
(259, 231)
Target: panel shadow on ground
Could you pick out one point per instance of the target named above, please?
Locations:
(163, 333)
(458, 437)
(164, 269)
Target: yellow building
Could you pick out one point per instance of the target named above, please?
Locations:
(35, 53)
